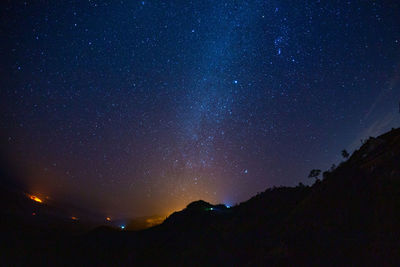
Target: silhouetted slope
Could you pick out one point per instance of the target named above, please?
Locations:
(362, 194)
(353, 214)
(197, 214)
(356, 210)
(350, 217)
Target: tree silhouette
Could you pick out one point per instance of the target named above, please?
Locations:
(314, 173)
(333, 167)
(345, 154)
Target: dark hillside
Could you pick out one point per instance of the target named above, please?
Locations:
(352, 216)
(355, 211)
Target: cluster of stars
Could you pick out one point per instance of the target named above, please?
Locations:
(128, 105)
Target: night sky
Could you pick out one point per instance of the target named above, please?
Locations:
(134, 108)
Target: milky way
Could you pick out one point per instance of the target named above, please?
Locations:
(139, 107)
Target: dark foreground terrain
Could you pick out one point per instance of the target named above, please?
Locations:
(351, 217)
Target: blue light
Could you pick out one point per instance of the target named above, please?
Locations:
(122, 227)
(227, 206)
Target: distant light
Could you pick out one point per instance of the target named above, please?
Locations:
(74, 218)
(35, 198)
(227, 206)
(211, 208)
(108, 219)
(154, 221)
(33, 214)
(235, 81)
(122, 227)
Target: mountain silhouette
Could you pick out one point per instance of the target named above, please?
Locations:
(351, 216)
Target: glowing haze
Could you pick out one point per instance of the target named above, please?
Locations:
(134, 108)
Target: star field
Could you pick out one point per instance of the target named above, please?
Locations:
(139, 107)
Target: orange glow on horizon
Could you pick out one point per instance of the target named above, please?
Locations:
(74, 218)
(154, 221)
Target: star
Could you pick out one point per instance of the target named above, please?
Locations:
(162, 103)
